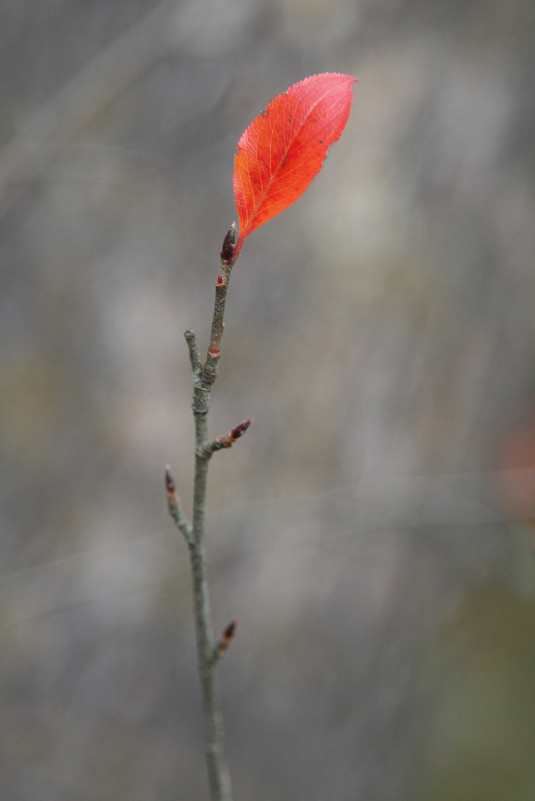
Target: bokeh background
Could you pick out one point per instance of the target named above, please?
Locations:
(372, 532)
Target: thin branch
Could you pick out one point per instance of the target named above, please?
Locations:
(173, 504)
(194, 357)
(218, 775)
(228, 440)
(208, 651)
(209, 372)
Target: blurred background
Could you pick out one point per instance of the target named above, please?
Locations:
(372, 532)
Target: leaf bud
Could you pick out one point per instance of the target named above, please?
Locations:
(229, 243)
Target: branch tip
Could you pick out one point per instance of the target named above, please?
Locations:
(225, 640)
(240, 430)
(229, 439)
(173, 505)
(170, 487)
(169, 480)
(229, 244)
(194, 356)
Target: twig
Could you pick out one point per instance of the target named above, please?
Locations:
(209, 371)
(229, 439)
(209, 652)
(174, 507)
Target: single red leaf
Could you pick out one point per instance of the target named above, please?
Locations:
(283, 149)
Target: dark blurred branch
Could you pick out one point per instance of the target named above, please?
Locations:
(86, 96)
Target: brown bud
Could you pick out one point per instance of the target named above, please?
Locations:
(172, 500)
(229, 631)
(237, 432)
(169, 481)
(229, 242)
(225, 640)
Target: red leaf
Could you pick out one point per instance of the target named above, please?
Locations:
(283, 149)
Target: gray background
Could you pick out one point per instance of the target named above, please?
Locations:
(371, 532)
